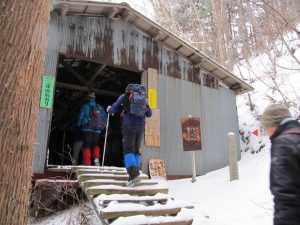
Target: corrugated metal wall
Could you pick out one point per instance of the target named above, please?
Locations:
(217, 111)
(45, 116)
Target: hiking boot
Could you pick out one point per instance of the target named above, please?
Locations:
(96, 162)
(133, 182)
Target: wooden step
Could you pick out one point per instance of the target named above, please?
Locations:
(90, 176)
(113, 189)
(105, 199)
(125, 210)
(80, 172)
(179, 222)
(167, 221)
(122, 183)
(53, 168)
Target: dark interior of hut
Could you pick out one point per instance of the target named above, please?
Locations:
(75, 79)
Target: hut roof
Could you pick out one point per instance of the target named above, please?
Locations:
(150, 28)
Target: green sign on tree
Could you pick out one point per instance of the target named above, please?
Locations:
(47, 92)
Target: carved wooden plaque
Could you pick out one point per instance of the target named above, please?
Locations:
(191, 133)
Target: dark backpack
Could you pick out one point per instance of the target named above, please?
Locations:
(95, 120)
(135, 102)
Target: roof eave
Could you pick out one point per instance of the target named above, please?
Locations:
(163, 35)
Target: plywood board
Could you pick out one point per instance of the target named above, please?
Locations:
(152, 78)
(152, 129)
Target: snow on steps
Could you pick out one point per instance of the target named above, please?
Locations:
(93, 176)
(116, 209)
(114, 189)
(149, 200)
(122, 183)
(116, 204)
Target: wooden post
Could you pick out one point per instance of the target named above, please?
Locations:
(152, 129)
(194, 179)
(232, 150)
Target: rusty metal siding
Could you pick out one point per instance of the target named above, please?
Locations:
(217, 111)
(118, 43)
(44, 119)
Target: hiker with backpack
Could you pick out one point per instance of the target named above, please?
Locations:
(133, 107)
(284, 133)
(91, 120)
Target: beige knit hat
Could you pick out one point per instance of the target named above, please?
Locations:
(274, 114)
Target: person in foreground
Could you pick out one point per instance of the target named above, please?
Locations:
(284, 133)
(133, 107)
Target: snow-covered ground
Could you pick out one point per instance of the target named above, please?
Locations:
(218, 201)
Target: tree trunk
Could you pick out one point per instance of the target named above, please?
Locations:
(23, 32)
(246, 52)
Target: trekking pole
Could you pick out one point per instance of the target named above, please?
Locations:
(107, 123)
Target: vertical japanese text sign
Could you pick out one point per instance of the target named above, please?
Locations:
(47, 92)
(191, 133)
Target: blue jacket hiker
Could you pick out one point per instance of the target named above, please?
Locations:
(91, 120)
(134, 108)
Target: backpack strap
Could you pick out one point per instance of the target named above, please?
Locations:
(291, 132)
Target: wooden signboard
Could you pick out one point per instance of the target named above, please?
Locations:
(152, 129)
(157, 169)
(191, 133)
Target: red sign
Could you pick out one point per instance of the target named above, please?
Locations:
(191, 133)
(255, 132)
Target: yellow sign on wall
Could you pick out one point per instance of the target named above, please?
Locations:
(152, 99)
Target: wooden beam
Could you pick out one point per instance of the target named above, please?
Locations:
(130, 191)
(80, 172)
(150, 212)
(179, 47)
(189, 56)
(213, 70)
(87, 177)
(135, 199)
(127, 16)
(112, 12)
(165, 38)
(110, 182)
(97, 73)
(73, 72)
(157, 35)
(64, 10)
(200, 62)
(86, 89)
(85, 9)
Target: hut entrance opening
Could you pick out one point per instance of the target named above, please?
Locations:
(75, 79)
